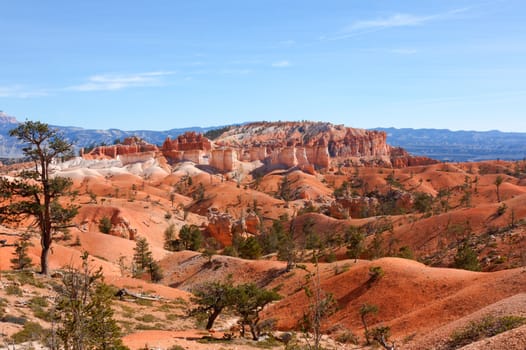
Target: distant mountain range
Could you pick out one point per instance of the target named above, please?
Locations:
(441, 144)
(10, 148)
(459, 146)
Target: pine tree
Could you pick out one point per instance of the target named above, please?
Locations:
(142, 256)
(34, 192)
(144, 262)
(191, 237)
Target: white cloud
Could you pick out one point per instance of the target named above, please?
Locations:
(18, 91)
(108, 82)
(403, 51)
(396, 20)
(281, 64)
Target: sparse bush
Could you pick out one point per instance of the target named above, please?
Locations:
(39, 301)
(406, 253)
(77, 242)
(375, 273)
(484, 328)
(347, 337)
(365, 310)
(148, 318)
(105, 225)
(170, 242)
(31, 331)
(466, 258)
(176, 347)
(502, 209)
(13, 290)
(381, 336)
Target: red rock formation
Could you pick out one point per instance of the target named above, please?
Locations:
(188, 146)
(130, 145)
(401, 159)
(220, 226)
(287, 144)
(252, 223)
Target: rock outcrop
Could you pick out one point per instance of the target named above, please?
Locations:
(308, 145)
(220, 226)
(224, 159)
(130, 146)
(189, 146)
(304, 145)
(401, 159)
(136, 157)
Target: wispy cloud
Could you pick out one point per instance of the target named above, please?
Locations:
(287, 42)
(108, 82)
(281, 64)
(236, 71)
(396, 20)
(19, 91)
(403, 51)
(361, 27)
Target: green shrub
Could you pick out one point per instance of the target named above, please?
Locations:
(39, 301)
(466, 258)
(146, 318)
(375, 273)
(105, 225)
(172, 317)
(347, 337)
(176, 347)
(28, 277)
(13, 290)
(31, 331)
(484, 328)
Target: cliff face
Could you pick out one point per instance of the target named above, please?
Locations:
(305, 145)
(401, 159)
(189, 146)
(314, 145)
(224, 160)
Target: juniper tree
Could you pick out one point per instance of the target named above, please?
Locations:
(250, 300)
(212, 298)
(35, 192)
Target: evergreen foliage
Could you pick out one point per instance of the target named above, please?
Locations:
(85, 315)
(190, 237)
(212, 298)
(466, 258)
(22, 261)
(105, 224)
(144, 262)
(249, 302)
(35, 193)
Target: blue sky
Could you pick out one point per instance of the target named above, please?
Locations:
(167, 64)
